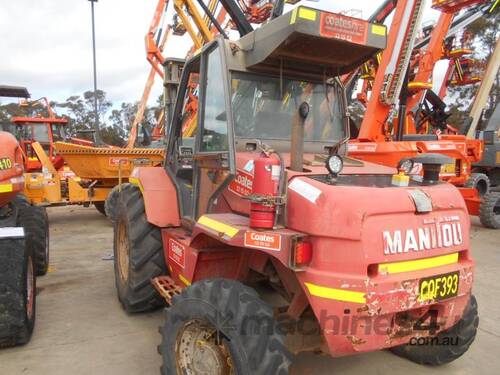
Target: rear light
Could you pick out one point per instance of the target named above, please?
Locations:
(302, 253)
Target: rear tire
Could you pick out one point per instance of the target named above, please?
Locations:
(221, 325)
(35, 221)
(463, 334)
(138, 254)
(17, 293)
(489, 210)
(480, 182)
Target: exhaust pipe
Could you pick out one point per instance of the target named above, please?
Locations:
(297, 152)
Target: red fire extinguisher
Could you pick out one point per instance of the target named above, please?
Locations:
(264, 191)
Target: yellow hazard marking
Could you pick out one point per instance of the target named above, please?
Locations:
(307, 14)
(218, 226)
(379, 30)
(419, 85)
(184, 280)
(419, 264)
(135, 181)
(494, 6)
(336, 294)
(6, 188)
(294, 17)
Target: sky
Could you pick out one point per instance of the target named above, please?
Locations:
(46, 45)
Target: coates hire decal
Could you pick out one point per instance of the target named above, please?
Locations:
(435, 233)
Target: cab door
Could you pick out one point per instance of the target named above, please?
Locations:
(214, 158)
(200, 154)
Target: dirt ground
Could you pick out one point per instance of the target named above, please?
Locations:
(82, 330)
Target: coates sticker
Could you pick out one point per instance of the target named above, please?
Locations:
(261, 240)
(344, 28)
(242, 183)
(115, 162)
(177, 252)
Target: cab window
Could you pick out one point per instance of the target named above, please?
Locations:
(214, 120)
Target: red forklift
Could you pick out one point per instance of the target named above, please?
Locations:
(266, 240)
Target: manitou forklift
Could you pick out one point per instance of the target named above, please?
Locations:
(266, 240)
(24, 242)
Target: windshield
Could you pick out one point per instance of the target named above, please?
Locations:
(264, 109)
(41, 133)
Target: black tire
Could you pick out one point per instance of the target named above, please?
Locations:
(16, 322)
(99, 206)
(463, 334)
(138, 254)
(35, 221)
(480, 182)
(489, 210)
(243, 323)
(112, 202)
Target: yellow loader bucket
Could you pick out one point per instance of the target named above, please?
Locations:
(96, 163)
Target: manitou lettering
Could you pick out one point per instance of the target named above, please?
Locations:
(432, 236)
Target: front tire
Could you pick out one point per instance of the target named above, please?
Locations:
(138, 254)
(223, 326)
(463, 334)
(17, 293)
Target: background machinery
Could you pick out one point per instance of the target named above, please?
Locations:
(221, 229)
(24, 242)
(406, 110)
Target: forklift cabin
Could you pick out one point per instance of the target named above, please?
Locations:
(250, 92)
(45, 131)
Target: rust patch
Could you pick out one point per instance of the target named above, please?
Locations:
(355, 340)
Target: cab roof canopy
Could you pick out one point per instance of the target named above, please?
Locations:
(14, 92)
(312, 44)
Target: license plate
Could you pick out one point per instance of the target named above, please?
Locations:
(439, 287)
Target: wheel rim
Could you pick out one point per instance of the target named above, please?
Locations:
(201, 351)
(123, 251)
(30, 289)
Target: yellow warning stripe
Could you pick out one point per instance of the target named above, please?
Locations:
(218, 226)
(379, 30)
(184, 280)
(135, 181)
(336, 294)
(307, 14)
(419, 264)
(6, 188)
(294, 16)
